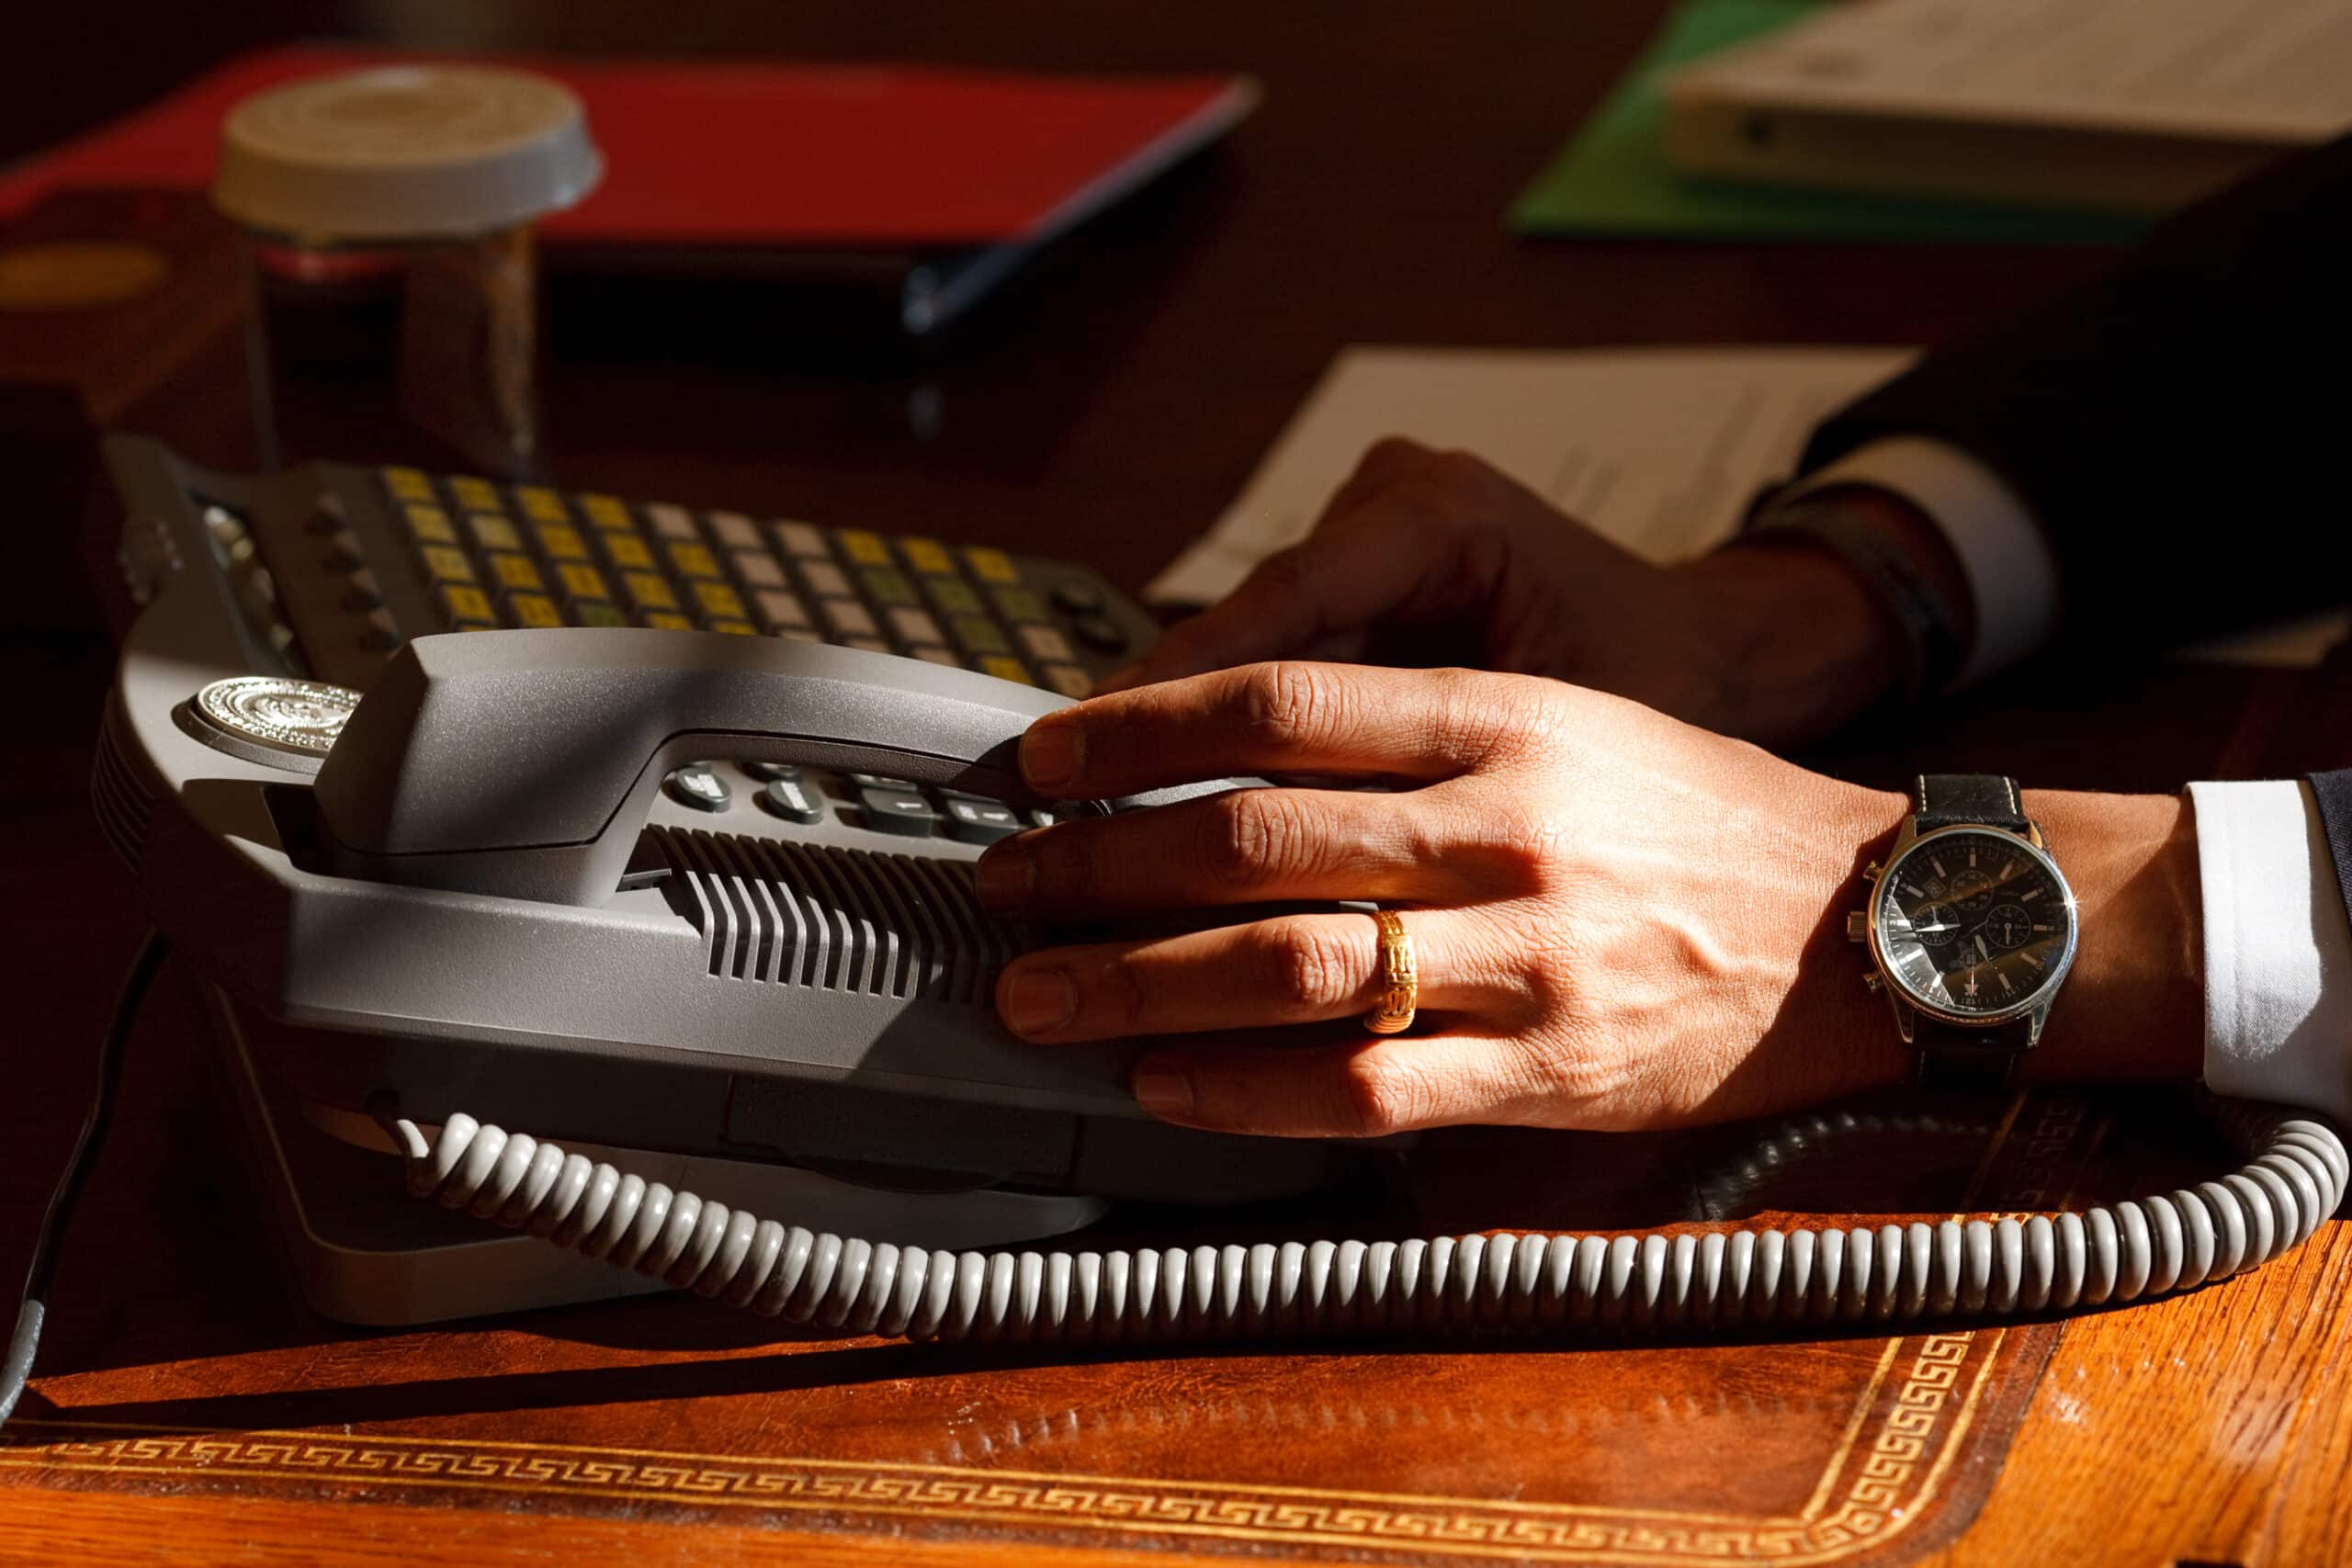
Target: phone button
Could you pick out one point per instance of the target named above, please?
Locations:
(1101, 631)
(792, 800)
(382, 634)
(698, 785)
(977, 820)
(898, 811)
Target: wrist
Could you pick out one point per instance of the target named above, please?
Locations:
(2133, 1006)
(1835, 601)
(1831, 1033)
(1907, 538)
(1802, 647)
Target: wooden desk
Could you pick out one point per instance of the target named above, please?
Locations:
(190, 1410)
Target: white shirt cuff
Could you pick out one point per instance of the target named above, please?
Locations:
(2011, 572)
(2277, 948)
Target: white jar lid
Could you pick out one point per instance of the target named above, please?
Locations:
(404, 152)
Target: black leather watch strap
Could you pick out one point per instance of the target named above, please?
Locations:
(1949, 1059)
(1946, 1059)
(1948, 800)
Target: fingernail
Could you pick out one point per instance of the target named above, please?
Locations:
(1036, 1000)
(1005, 876)
(1162, 1091)
(1051, 752)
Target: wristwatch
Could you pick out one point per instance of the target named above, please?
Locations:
(1970, 929)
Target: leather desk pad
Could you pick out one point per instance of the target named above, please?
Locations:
(192, 1367)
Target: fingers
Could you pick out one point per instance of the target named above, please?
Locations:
(1291, 970)
(1249, 846)
(1286, 717)
(1365, 1089)
(1380, 544)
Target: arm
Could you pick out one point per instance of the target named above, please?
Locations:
(1620, 921)
(2134, 460)
(2173, 428)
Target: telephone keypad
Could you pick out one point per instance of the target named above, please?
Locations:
(368, 558)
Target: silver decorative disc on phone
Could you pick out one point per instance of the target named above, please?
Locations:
(271, 718)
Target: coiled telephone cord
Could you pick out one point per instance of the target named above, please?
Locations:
(2113, 1253)
(2116, 1253)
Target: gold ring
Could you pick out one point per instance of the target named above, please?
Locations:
(1399, 978)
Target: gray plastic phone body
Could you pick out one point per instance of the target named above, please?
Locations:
(435, 910)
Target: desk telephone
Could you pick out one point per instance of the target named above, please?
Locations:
(708, 894)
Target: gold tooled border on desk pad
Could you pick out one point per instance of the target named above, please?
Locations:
(1895, 1459)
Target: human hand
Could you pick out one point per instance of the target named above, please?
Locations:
(1424, 553)
(1620, 920)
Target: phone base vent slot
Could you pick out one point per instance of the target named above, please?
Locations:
(836, 919)
(123, 804)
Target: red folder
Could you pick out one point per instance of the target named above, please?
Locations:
(762, 156)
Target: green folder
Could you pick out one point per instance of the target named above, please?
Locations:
(1613, 177)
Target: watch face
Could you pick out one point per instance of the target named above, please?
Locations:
(1973, 924)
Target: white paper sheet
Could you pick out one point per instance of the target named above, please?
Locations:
(1660, 449)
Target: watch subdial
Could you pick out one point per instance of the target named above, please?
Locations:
(1972, 890)
(2008, 925)
(1936, 924)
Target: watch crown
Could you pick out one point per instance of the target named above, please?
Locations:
(1871, 981)
(1869, 872)
(1857, 926)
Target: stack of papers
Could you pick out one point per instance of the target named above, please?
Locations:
(2138, 104)
(1614, 177)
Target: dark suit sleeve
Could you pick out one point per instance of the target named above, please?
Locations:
(2333, 793)
(2182, 428)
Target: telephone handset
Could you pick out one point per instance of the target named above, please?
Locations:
(523, 763)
